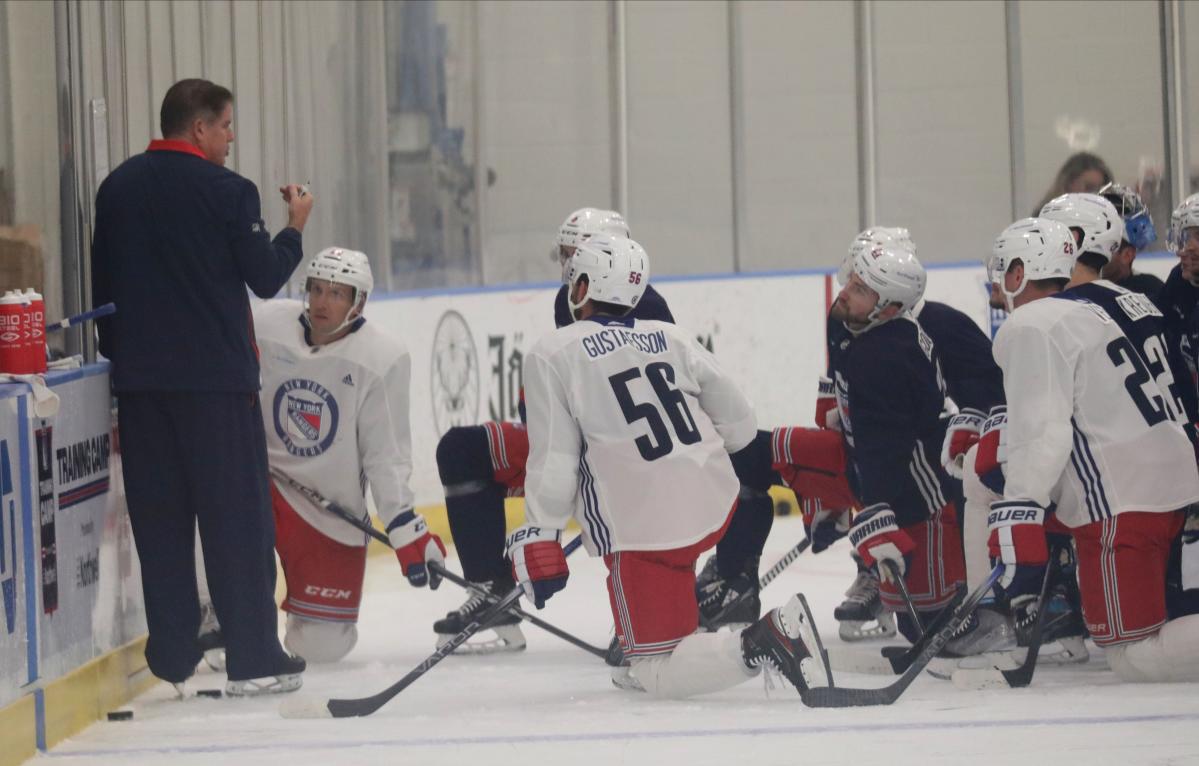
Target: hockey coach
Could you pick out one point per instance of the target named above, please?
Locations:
(178, 238)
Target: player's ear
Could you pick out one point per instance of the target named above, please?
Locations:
(580, 290)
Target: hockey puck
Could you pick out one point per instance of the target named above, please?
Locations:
(214, 693)
(120, 715)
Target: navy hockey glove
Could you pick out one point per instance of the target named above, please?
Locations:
(992, 450)
(1016, 538)
(824, 526)
(415, 547)
(961, 434)
(538, 562)
(877, 538)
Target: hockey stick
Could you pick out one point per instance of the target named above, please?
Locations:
(765, 580)
(516, 610)
(96, 313)
(893, 660)
(842, 697)
(300, 707)
(997, 678)
(897, 578)
(438, 569)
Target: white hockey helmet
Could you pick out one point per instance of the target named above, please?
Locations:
(1045, 247)
(343, 267)
(1184, 217)
(617, 271)
(580, 226)
(892, 270)
(875, 235)
(1100, 222)
(1138, 223)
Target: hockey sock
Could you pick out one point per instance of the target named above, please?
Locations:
(1171, 654)
(974, 523)
(702, 663)
(747, 533)
(478, 525)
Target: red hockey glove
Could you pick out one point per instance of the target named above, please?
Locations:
(827, 415)
(1017, 539)
(961, 434)
(877, 538)
(415, 547)
(992, 450)
(538, 563)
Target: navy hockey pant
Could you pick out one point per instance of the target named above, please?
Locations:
(189, 456)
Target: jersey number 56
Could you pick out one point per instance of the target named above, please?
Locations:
(670, 401)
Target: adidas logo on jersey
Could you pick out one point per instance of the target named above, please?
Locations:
(348, 380)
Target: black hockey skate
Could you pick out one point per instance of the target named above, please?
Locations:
(861, 615)
(1063, 632)
(506, 627)
(287, 678)
(785, 641)
(734, 602)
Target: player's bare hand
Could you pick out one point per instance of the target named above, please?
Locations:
(299, 204)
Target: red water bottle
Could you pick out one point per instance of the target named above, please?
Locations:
(12, 341)
(37, 315)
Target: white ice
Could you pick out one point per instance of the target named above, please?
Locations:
(554, 705)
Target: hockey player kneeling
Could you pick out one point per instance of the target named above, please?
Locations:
(1094, 428)
(630, 426)
(335, 396)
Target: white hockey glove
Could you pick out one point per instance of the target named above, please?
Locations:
(415, 547)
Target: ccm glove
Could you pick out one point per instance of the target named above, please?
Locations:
(415, 547)
(961, 434)
(1016, 538)
(824, 526)
(992, 450)
(827, 415)
(878, 538)
(538, 562)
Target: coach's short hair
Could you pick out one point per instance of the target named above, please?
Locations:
(188, 99)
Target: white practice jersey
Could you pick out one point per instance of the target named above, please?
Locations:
(1090, 425)
(630, 426)
(336, 417)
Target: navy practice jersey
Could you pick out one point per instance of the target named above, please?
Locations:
(651, 306)
(890, 395)
(1178, 301)
(971, 376)
(1145, 284)
(1143, 324)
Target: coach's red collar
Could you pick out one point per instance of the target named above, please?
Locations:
(172, 145)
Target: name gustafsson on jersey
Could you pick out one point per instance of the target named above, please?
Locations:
(609, 339)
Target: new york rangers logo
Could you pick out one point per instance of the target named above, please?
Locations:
(306, 416)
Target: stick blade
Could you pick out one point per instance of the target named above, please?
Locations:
(842, 697)
(303, 706)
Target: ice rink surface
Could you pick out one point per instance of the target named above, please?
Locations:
(553, 704)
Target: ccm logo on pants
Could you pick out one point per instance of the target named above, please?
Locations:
(333, 593)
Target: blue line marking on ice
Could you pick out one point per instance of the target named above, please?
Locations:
(624, 736)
